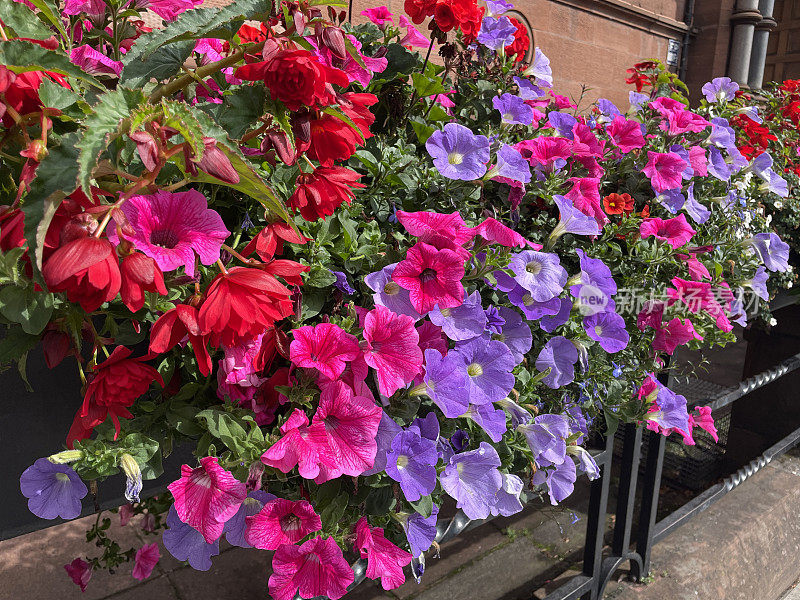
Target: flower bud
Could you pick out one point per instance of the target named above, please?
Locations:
(133, 472)
(56, 346)
(66, 456)
(216, 163)
(333, 38)
(147, 148)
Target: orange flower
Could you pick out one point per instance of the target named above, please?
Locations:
(616, 204)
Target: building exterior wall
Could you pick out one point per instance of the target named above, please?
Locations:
(783, 50)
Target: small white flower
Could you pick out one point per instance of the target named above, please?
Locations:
(773, 321)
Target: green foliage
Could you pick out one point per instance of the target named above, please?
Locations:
(21, 56)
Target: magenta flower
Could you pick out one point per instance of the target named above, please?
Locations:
(665, 170)
(167, 9)
(171, 228)
(431, 276)
(676, 231)
(626, 134)
(585, 143)
(379, 15)
(146, 560)
(388, 293)
(391, 348)
(350, 424)
(207, 496)
(281, 522)
(316, 568)
(236, 526)
(585, 196)
(413, 36)
(300, 445)
(384, 559)
(80, 572)
(52, 490)
(325, 347)
(94, 62)
(674, 334)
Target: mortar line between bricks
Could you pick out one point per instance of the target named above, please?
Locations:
(175, 589)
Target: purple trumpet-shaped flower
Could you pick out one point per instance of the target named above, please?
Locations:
(472, 479)
(514, 333)
(607, 328)
(427, 426)
(446, 382)
(412, 463)
(538, 272)
(496, 33)
(540, 69)
(462, 322)
(527, 90)
(720, 89)
(670, 410)
(492, 420)
(637, 100)
(519, 416)
(510, 165)
(560, 480)
(342, 284)
(458, 153)
(495, 8)
(546, 437)
(459, 440)
(389, 294)
(184, 542)
(52, 490)
(513, 110)
(596, 285)
(559, 355)
(550, 323)
(772, 251)
(572, 220)
(608, 111)
(562, 123)
(420, 532)
(488, 367)
(722, 134)
(693, 208)
(494, 322)
(522, 299)
(235, 526)
(759, 283)
(717, 165)
(586, 461)
(508, 502)
(387, 430)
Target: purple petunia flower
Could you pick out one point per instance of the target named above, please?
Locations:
(717, 165)
(387, 430)
(527, 90)
(184, 542)
(762, 166)
(472, 479)
(540, 273)
(341, 283)
(510, 165)
(759, 283)
(427, 426)
(235, 526)
(550, 323)
(462, 322)
(514, 333)
(596, 285)
(586, 461)
(459, 439)
(420, 532)
(488, 369)
(412, 463)
(546, 436)
(540, 69)
(513, 110)
(522, 299)
(560, 480)
(720, 89)
(637, 100)
(560, 356)
(52, 490)
(670, 411)
(495, 8)
(607, 328)
(446, 382)
(389, 294)
(496, 33)
(492, 420)
(494, 322)
(693, 208)
(608, 111)
(722, 134)
(508, 502)
(562, 123)
(572, 220)
(577, 420)
(458, 153)
(519, 415)
(772, 251)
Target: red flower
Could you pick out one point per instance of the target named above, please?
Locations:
(140, 273)
(241, 304)
(21, 92)
(117, 383)
(321, 192)
(173, 326)
(616, 204)
(419, 9)
(86, 269)
(332, 140)
(296, 78)
(444, 16)
(12, 228)
(56, 345)
(521, 43)
(469, 18)
(269, 240)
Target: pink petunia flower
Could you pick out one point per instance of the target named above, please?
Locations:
(207, 496)
(237, 375)
(585, 143)
(168, 9)
(379, 15)
(384, 559)
(146, 560)
(432, 277)
(301, 445)
(494, 232)
(391, 347)
(673, 334)
(172, 227)
(94, 62)
(585, 196)
(325, 347)
(354, 375)
(80, 572)
(350, 425)
(413, 37)
(438, 229)
(665, 170)
(699, 295)
(316, 568)
(698, 161)
(676, 231)
(626, 134)
(281, 522)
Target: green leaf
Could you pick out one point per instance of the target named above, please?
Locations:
(56, 178)
(140, 447)
(380, 501)
(226, 428)
(108, 115)
(179, 116)
(332, 513)
(56, 96)
(22, 369)
(320, 277)
(241, 109)
(424, 506)
(401, 62)
(21, 56)
(15, 344)
(25, 306)
(52, 13)
(23, 21)
(421, 129)
(161, 64)
(426, 86)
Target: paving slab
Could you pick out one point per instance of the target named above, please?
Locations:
(155, 588)
(236, 574)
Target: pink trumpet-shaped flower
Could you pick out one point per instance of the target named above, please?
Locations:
(384, 559)
(80, 572)
(665, 170)
(674, 334)
(676, 231)
(300, 445)
(325, 347)
(146, 560)
(316, 568)
(432, 277)
(281, 522)
(207, 496)
(391, 348)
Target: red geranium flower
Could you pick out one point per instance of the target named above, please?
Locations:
(242, 303)
(87, 269)
(12, 228)
(419, 9)
(269, 240)
(521, 43)
(321, 192)
(117, 383)
(296, 78)
(140, 273)
(173, 326)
